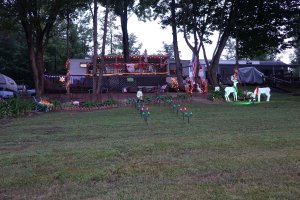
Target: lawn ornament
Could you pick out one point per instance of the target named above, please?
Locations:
(174, 84)
(146, 115)
(248, 96)
(42, 105)
(139, 95)
(75, 103)
(188, 115)
(198, 88)
(228, 91)
(204, 86)
(259, 91)
(233, 89)
(189, 86)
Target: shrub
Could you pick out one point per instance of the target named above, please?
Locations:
(217, 94)
(56, 103)
(110, 102)
(90, 104)
(97, 104)
(183, 96)
(15, 107)
(164, 97)
(148, 99)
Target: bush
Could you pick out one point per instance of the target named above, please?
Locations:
(148, 99)
(97, 104)
(217, 94)
(164, 97)
(56, 103)
(90, 104)
(15, 107)
(110, 102)
(183, 96)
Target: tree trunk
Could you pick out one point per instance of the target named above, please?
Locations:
(103, 49)
(124, 21)
(36, 57)
(175, 45)
(212, 72)
(95, 47)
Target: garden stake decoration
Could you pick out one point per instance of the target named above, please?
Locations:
(188, 115)
(174, 106)
(139, 106)
(183, 110)
(146, 114)
(177, 109)
(143, 109)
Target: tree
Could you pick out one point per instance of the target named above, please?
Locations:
(55, 54)
(121, 8)
(107, 8)
(37, 19)
(167, 49)
(134, 45)
(230, 53)
(260, 25)
(167, 11)
(13, 57)
(95, 42)
(112, 30)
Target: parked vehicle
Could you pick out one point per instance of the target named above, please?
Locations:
(8, 87)
(24, 90)
(4, 94)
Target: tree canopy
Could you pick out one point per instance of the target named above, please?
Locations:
(259, 29)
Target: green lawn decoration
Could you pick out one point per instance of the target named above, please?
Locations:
(142, 108)
(188, 115)
(146, 115)
(182, 110)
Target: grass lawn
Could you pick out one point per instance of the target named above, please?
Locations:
(227, 151)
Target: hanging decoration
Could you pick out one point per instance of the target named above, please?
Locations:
(145, 64)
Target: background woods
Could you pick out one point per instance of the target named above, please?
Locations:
(37, 37)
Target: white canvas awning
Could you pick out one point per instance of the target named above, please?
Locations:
(7, 83)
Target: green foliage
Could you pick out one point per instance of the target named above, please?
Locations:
(14, 107)
(183, 96)
(148, 99)
(216, 94)
(97, 104)
(14, 57)
(164, 97)
(110, 102)
(90, 104)
(55, 103)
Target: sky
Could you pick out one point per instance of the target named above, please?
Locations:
(152, 36)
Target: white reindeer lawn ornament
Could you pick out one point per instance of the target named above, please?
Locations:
(233, 90)
(259, 91)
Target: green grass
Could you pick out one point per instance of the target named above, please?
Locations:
(227, 151)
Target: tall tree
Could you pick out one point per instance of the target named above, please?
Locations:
(13, 58)
(37, 19)
(107, 8)
(122, 8)
(167, 49)
(167, 10)
(260, 25)
(95, 41)
(134, 45)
